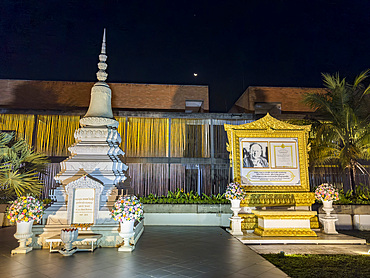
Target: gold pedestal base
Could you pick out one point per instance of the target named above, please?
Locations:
(250, 222)
(279, 223)
(284, 232)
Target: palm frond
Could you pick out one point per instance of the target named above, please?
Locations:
(367, 90)
(35, 162)
(360, 78)
(5, 138)
(344, 136)
(14, 182)
(19, 166)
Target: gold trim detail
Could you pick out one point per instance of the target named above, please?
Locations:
(263, 199)
(249, 221)
(284, 232)
(270, 124)
(285, 216)
(273, 214)
(314, 222)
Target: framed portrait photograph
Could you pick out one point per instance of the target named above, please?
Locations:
(255, 154)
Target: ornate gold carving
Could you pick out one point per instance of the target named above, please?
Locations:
(228, 148)
(284, 232)
(249, 226)
(269, 127)
(268, 123)
(285, 217)
(284, 214)
(264, 199)
(82, 227)
(249, 221)
(314, 223)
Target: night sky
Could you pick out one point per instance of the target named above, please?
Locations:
(231, 44)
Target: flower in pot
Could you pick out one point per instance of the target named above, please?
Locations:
(127, 210)
(24, 211)
(327, 193)
(234, 192)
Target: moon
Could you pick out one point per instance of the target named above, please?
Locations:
(195, 74)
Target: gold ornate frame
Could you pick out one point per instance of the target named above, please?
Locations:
(269, 127)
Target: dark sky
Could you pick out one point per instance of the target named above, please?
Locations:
(231, 44)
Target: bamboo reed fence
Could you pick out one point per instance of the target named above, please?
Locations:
(163, 153)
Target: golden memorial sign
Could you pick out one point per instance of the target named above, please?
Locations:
(270, 157)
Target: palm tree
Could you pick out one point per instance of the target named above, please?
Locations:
(343, 131)
(19, 167)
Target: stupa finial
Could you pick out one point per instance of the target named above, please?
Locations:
(103, 43)
(101, 97)
(102, 65)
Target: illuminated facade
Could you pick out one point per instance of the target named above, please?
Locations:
(164, 150)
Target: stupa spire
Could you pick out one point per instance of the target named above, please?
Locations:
(100, 108)
(102, 65)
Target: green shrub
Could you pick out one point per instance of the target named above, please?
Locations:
(360, 196)
(181, 197)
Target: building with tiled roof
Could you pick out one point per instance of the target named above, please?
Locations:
(274, 100)
(66, 95)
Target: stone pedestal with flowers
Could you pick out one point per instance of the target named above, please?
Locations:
(127, 210)
(327, 193)
(234, 192)
(24, 211)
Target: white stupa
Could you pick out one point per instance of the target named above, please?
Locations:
(95, 162)
(96, 151)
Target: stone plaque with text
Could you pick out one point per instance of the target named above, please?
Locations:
(83, 206)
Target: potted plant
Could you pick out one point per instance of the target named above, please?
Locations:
(234, 192)
(24, 211)
(127, 210)
(327, 193)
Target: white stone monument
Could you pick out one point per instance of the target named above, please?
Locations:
(92, 171)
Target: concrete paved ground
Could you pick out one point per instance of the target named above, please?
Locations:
(170, 251)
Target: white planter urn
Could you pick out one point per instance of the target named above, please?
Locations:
(235, 206)
(328, 220)
(236, 220)
(68, 236)
(24, 231)
(127, 232)
(327, 206)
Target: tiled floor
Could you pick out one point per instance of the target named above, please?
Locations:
(161, 252)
